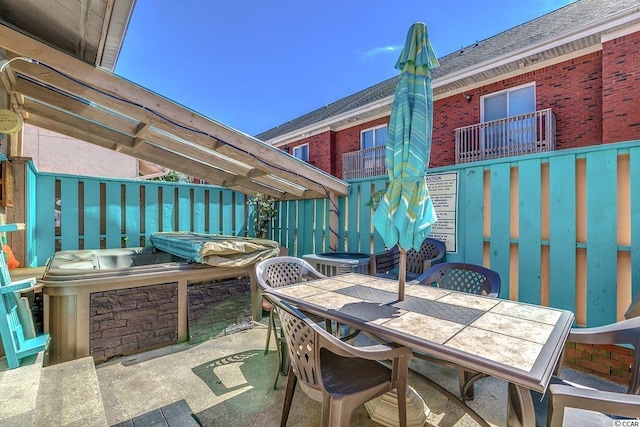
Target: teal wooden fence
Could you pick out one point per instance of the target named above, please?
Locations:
(562, 228)
(111, 213)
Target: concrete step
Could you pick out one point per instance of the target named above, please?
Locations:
(19, 391)
(69, 396)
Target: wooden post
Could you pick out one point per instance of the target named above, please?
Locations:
(15, 143)
(334, 216)
(256, 296)
(18, 212)
(402, 273)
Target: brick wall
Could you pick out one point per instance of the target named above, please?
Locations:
(321, 150)
(131, 320)
(326, 149)
(218, 307)
(449, 114)
(348, 140)
(611, 362)
(595, 99)
(572, 89)
(621, 88)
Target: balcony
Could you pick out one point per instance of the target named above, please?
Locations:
(364, 163)
(513, 136)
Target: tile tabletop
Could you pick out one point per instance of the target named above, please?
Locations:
(518, 340)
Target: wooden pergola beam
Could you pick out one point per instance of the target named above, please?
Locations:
(171, 144)
(270, 158)
(47, 96)
(64, 123)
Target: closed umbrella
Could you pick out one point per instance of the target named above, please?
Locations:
(405, 214)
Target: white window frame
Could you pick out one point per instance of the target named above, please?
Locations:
(299, 147)
(513, 134)
(373, 130)
(482, 98)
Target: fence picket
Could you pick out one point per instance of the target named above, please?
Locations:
(132, 215)
(529, 230)
(602, 233)
(69, 214)
(562, 232)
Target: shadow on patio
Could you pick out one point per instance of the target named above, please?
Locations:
(227, 381)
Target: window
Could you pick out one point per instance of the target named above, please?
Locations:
(373, 160)
(301, 152)
(511, 126)
(509, 103)
(373, 137)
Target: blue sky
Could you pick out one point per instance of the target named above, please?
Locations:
(255, 64)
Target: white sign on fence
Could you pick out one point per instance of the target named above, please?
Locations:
(443, 188)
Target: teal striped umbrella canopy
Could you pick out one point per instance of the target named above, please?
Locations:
(405, 214)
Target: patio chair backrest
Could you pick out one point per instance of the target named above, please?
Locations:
(283, 271)
(385, 261)
(301, 341)
(431, 252)
(336, 373)
(276, 273)
(463, 277)
(569, 404)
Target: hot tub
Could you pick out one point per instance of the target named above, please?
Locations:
(93, 264)
(111, 302)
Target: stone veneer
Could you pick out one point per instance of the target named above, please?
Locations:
(218, 307)
(126, 321)
(133, 320)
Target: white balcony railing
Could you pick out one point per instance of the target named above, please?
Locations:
(513, 136)
(364, 163)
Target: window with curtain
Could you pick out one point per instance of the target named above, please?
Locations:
(374, 137)
(301, 152)
(504, 109)
(373, 161)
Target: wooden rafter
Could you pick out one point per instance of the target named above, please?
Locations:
(60, 122)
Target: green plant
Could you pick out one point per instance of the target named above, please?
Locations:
(263, 209)
(374, 201)
(173, 176)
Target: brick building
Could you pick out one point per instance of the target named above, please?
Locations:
(570, 78)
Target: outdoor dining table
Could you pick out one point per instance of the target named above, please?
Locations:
(517, 342)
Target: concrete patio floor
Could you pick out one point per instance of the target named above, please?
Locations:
(227, 381)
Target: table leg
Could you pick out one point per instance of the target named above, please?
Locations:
(520, 410)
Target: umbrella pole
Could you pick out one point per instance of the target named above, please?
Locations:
(402, 274)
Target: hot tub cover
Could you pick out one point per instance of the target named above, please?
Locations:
(214, 249)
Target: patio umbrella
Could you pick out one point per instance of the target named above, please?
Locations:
(405, 214)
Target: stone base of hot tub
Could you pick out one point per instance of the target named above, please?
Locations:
(126, 321)
(218, 307)
(132, 320)
(151, 324)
